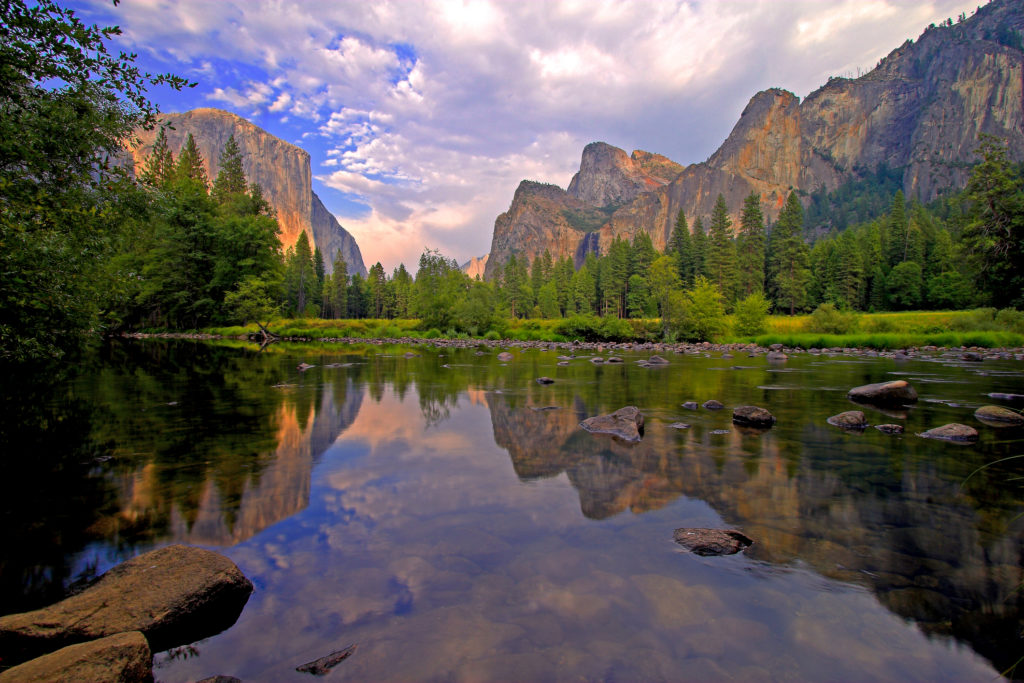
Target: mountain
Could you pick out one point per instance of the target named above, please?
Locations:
(475, 267)
(919, 111)
(281, 169)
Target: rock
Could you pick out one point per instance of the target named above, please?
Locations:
(883, 393)
(719, 431)
(973, 357)
(562, 362)
(999, 416)
(219, 678)
(596, 360)
(713, 405)
(302, 367)
(851, 419)
(679, 425)
(952, 432)
(545, 380)
(726, 355)
(690, 405)
(657, 360)
(505, 356)
(776, 356)
(712, 541)
(775, 347)
(625, 423)
(1007, 397)
(119, 657)
(410, 354)
(613, 359)
(890, 428)
(174, 595)
(323, 665)
(752, 416)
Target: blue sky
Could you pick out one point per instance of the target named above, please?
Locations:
(422, 117)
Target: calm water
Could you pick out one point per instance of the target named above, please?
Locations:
(446, 513)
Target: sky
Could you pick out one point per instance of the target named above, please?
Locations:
(422, 117)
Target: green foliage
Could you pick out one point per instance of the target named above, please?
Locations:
(703, 312)
(751, 315)
(788, 258)
(827, 319)
(903, 285)
(750, 248)
(720, 261)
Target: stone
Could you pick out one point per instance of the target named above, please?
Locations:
(851, 419)
(625, 423)
(999, 416)
(952, 432)
(884, 393)
(597, 360)
(323, 665)
(690, 405)
(410, 354)
(119, 657)
(972, 356)
(712, 541)
(174, 595)
(505, 356)
(776, 356)
(657, 360)
(752, 416)
(1006, 397)
(890, 428)
(712, 404)
(679, 425)
(562, 362)
(302, 367)
(220, 678)
(613, 359)
(545, 380)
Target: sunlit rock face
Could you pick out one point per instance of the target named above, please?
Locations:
(476, 266)
(921, 110)
(281, 169)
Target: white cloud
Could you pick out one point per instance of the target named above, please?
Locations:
(431, 113)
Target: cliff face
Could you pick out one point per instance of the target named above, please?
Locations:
(921, 110)
(475, 267)
(281, 169)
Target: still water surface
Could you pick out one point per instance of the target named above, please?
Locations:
(446, 513)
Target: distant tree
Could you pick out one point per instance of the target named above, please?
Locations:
(721, 256)
(338, 294)
(230, 178)
(665, 285)
(898, 234)
(680, 246)
(158, 168)
(699, 242)
(401, 282)
(191, 165)
(750, 253)
(788, 257)
(376, 282)
(903, 285)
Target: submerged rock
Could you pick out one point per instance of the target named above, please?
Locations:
(657, 360)
(120, 657)
(884, 393)
(712, 541)
(999, 416)
(851, 419)
(505, 356)
(302, 367)
(752, 416)
(691, 405)
(613, 359)
(1006, 397)
(323, 665)
(952, 432)
(625, 423)
(776, 356)
(545, 380)
(712, 404)
(679, 425)
(174, 595)
(890, 428)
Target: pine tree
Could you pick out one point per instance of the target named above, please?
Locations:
(376, 283)
(750, 254)
(300, 276)
(788, 257)
(680, 247)
(563, 284)
(191, 165)
(897, 233)
(339, 287)
(401, 281)
(721, 254)
(230, 178)
(158, 168)
(699, 240)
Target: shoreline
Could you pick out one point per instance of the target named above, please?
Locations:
(969, 353)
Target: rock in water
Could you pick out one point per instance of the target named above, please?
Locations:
(625, 423)
(712, 541)
(752, 416)
(712, 404)
(999, 416)
(890, 428)
(545, 380)
(952, 432)
(884, 393)
(120, 657)
(174, 596)
(505, 356)
(657, 360)
(851, 419)
(690, 405)
(323, 665)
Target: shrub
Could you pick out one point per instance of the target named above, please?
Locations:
(1011, 319)
(492, 335)
(751, 315)
(703, 312)
(827, 319)
(432, 333)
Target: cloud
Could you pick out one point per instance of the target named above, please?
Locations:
(431, 113)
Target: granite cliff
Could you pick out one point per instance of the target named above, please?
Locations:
(281, 169)
(920, 111)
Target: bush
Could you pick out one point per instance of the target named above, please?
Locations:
(703, 312)
(978, 320)
(827, 319)
(615, 329)
(1011, 320)
(751, 315)
(492, 336)
(432, 333)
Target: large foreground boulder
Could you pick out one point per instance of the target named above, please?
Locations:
(118, 658)
(174, 596)
(625, 423)
(884, 393)
(999, 416)
(712, 541)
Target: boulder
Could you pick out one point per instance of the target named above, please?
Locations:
(690, 405)
(625, 423)
(596, 359)
(174, 596)
(545, 380)
(851, 419)
(890, 428)
(999, 416)
(505, 356)
(613, 359)
(712, 404)
(657, 360)
(776, 356)
(712, 541)
(972, 357)
(752, 416)
(120, 657)
(884, 393)
(952, 432)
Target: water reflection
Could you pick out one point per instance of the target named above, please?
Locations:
(447, 512)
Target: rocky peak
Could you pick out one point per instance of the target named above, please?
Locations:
(475, 267)
(608, 176)
(280, 168)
